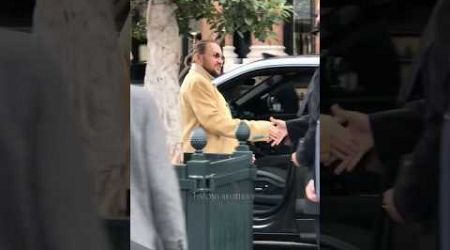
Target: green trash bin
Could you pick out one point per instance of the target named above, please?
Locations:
(217, 196)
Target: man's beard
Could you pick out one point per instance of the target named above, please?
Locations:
(213, 73)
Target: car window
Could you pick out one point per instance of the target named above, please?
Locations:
(268, 93)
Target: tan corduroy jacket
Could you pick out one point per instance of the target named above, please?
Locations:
(202, 105)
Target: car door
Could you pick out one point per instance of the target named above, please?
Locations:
(257, 95)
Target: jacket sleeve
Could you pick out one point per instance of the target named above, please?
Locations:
(297, 128)
(205, 105)
(395, 132)
(416, 189)
(401, 131)
(416, 193)
(306, 149)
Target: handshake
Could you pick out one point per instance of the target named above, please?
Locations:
(345, 137)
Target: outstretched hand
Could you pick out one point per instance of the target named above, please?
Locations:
(277, 132)
(336, 142)
(357, 124)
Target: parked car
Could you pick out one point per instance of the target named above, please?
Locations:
(256, 91)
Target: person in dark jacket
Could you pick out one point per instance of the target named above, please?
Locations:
(414, 128)
(302, 134)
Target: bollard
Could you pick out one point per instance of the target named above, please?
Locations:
(242, 134)
(198, 142)
(217, 196)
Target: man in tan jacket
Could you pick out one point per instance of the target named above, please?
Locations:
(202, 105)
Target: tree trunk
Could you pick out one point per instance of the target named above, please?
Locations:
(82, 38)
(161, 74)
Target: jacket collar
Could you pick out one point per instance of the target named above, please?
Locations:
(199, 69)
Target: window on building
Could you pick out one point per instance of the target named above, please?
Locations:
(304, 13)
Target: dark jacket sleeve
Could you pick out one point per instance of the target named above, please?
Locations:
(416, 189)
(408, 130)
(306, 149)
(297, 128)
(395, 132)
